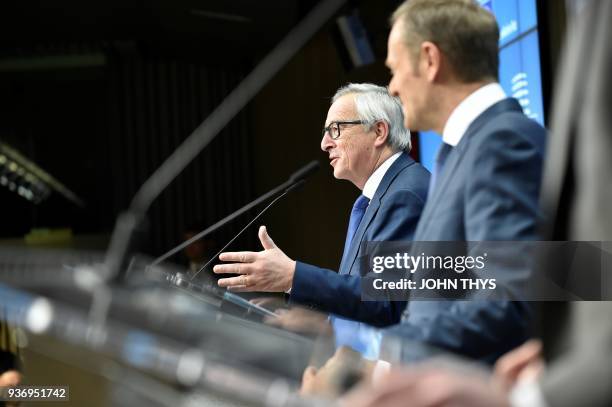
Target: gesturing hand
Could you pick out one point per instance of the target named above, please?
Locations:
(429, 386)
(268, 270)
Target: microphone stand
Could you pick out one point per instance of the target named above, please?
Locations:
(284, 188)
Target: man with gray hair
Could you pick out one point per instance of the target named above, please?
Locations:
(367, 145)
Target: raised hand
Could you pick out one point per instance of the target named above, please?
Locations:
(269, 270)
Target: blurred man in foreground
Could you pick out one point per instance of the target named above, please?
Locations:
(443, 55)
(576, 200)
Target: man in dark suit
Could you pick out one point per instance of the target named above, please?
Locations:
(576, 198)
(367, 145)
(443, 55)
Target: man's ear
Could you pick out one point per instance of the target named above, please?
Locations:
(430, 60)
(381, 128)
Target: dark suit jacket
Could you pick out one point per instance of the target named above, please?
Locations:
(392, 215)
(487, 191)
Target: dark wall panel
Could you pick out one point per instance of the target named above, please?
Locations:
(103, 130)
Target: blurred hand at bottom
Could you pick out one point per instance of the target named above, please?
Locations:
(522, 364)
(10, 378)
(344, 369)
(429, 387)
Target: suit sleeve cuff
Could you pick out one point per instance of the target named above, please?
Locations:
(302, 286)
(297, 280)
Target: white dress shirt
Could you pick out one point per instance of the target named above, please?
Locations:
(523, 394)
(363, 336)
(468, 110)
(371, 185)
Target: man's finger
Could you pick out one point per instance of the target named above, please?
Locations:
(10, 378)
(309, 373)
(509, 366)
(237, 268)
(231, 282)
(265, 239)
(241, 257)
(308, 381)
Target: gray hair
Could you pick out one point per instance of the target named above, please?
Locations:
(373, 103)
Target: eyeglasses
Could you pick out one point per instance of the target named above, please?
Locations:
(334, 127)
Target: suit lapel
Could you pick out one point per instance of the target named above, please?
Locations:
(455, 156)
(449, 170)
(403, 161)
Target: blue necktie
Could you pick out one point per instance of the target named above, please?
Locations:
(438, 166)
(359, 208)
(361, 337)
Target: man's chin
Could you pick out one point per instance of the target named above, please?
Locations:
(339, 174)
(408, 126)
(409, 123)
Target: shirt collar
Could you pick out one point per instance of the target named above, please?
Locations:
(469, 109)
(371, 185)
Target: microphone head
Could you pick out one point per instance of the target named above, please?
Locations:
(305, 171)
(295, 185)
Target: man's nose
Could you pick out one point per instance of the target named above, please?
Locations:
(326, 142)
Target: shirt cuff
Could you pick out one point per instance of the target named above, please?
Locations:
(527, 394)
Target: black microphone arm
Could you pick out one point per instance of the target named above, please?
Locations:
(304, 172)
(295, 180)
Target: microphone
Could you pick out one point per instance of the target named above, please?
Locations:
(296, 180)
(305, 172)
